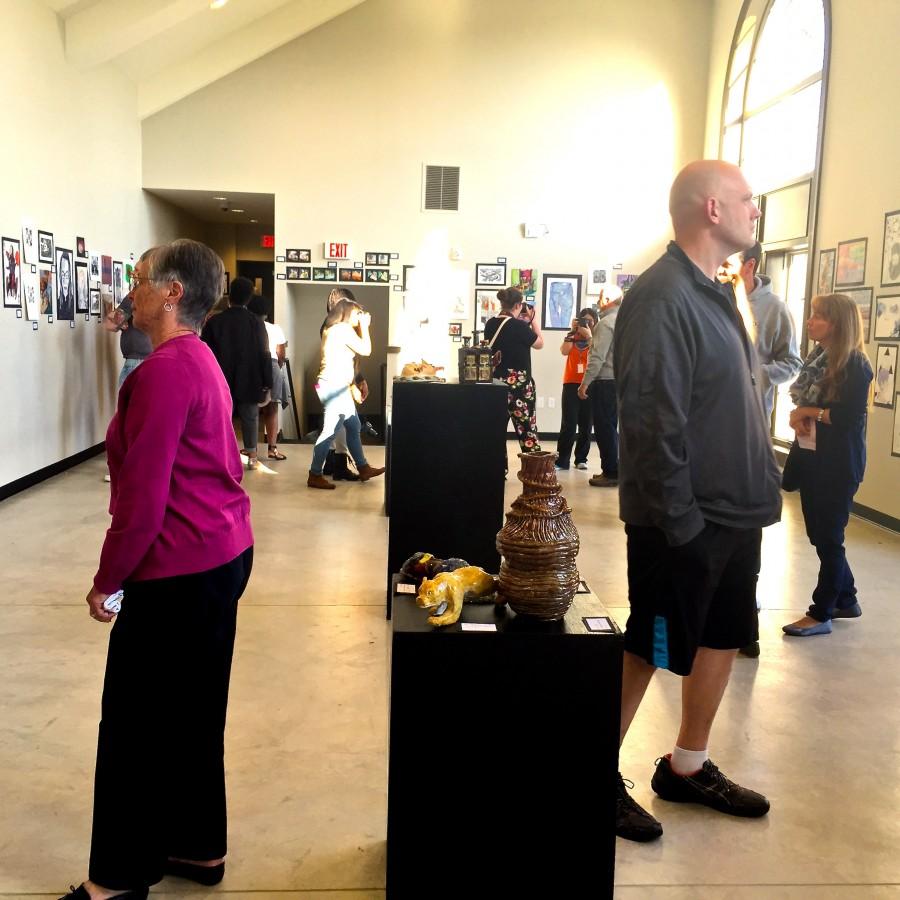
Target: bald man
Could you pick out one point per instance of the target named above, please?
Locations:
(697, 483)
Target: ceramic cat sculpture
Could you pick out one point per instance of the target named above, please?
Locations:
(469, 583)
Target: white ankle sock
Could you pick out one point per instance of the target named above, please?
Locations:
(687, 762)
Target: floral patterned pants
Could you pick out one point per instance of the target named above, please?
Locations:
(520, 403)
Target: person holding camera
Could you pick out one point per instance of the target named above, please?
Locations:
(513, 333)
(576, 410)
(345, 335)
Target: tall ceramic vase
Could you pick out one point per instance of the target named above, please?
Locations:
(538, 544)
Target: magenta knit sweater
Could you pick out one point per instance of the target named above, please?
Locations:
(176, 502)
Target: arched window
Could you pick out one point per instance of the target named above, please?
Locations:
(772, 113)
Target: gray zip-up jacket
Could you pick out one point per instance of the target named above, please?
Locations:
(776, 345)
(600, 359)
(693, 442)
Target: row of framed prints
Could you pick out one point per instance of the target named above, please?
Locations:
(304, 255)
(355, 275)
(845, 265)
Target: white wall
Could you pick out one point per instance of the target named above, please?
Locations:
(576, 115)
(860, 176)
(70, 160)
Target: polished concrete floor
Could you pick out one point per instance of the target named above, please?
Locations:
(814, 723)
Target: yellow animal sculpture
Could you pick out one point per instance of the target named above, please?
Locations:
(455, 588)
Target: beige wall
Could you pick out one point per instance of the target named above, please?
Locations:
(575, 115)
(860, 175)
(70, 160)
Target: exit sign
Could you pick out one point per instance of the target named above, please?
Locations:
(336, 250)
(267, 240)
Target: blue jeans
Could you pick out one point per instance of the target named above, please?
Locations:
(340, 412)
(128, 366)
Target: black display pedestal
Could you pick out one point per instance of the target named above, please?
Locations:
(446, 458)
(503, 755)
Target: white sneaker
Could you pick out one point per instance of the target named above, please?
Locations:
(581, 465)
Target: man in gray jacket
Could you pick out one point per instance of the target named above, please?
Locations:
(697, 483)
(776, 344)
(599, 382)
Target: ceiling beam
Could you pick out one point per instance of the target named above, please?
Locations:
(239, 48)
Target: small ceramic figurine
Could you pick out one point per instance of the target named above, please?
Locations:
(424, 565)
(469, 583)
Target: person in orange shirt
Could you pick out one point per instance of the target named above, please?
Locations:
(576, 413)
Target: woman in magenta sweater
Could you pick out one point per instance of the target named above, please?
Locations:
(181, 548)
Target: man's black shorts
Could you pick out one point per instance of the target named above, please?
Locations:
(700, 595)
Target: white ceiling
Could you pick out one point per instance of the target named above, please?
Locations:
(202, 205)
(171, 48)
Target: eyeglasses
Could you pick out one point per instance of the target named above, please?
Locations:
(137, 280)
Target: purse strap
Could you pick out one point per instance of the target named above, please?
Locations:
(499, 329)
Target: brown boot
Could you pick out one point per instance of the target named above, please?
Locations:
(366, 472)
(319, 481)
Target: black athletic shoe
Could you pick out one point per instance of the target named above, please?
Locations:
(751, 650)
(633, 822)
(709, 787)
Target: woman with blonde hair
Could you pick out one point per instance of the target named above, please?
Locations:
(828, 457)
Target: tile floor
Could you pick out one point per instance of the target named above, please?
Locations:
(813, 723)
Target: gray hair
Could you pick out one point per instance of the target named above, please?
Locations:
(199, 271)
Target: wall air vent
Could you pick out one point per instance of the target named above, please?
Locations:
(440, 188)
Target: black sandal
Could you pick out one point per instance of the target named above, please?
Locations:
(275, 453)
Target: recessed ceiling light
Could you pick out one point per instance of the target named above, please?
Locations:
(254, 221)
(220, 198)
(237, 210)
(217, 4)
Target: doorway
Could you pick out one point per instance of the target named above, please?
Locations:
(262, 274)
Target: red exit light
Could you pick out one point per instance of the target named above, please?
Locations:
(267, 240)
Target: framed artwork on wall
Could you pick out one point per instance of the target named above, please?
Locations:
(298, 273)
(324, 274)
(377, 276)
(31, 294)
(890, 254)
(29, 243)
(80, 250)
(45, 297)
(65, 285)
(851, 262)
(825, 276)
(406, 276)
(297, 256)
(862, 297)
(596, 280)
(82, 289)
(562, 300)
(486, 307)
(95, 302)
(353, 274)
(887, 318)
(12, 273)
(455, 329)
(45, 247)
(885, 375)
(490, 275)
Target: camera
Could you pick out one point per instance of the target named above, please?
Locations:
(585, 321)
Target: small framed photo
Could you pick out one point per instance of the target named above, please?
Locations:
(384, 259)
(885, 375)
(82, 289)
(890, 254)
(862, 297)
(562, 300)
(825, 277)
(490, 275)
(298, 273)
(625, 281)
(455, 329)
(297, 256)
(11, 265)
(80, 248)
(486, 307)
(378, 276)
(851, 262)
(45, 247)
(65, 285)
(95, 302)
(596, 281)
(324, 274)
(355, 275)
(45, 293)
(887, 318)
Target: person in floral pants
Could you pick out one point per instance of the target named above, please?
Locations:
(514, 338)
